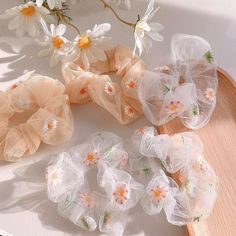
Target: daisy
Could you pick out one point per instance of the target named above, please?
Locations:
(121, 194)
(109, 88)
(142, 28)
(210, 94)
(54, 175)
(26, 18)
(90, 47)
(130, 84)
(158, 194)
(51, 3)
(123, 3)
(86, 200)
(54, 41)
(83, 93)
(50, 125)
(173, 106)
(129, 111)
(91, 159)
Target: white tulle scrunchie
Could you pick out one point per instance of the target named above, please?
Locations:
(81, 203)
(191, 192)
(185, 88)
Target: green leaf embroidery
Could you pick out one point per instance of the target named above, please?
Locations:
(106, 217)
(209, 57)
(197, 218)
(166, 89)
(146, 171)
(194, 110)
(85, 223)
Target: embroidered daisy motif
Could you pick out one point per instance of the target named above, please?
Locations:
(210, 94)
(50, 125)
(91, 159)
(83, 93)
(86, 200)
(129, 111)
(54, 175)
(158, 194)
(173, 106)
(121, 194)
(130, 84)
(109, 88)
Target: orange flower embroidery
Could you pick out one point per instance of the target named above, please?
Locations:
(130, 84)
(86, 200)
(173, 106)
(91, 159)
(49, 125)
(109, 88)
(129, 111)
(158, 194)
(83, 93)
(121, 194)
(28, 11)
(210, 94)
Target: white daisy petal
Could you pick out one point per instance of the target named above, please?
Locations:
(60, 30)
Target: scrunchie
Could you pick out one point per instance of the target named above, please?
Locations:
(119, 98)
(190, 193)
(186, 88)
(43, 99)
(67, 184)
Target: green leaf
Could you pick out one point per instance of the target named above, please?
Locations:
(209, 56)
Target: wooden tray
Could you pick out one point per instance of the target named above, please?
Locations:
(219, 138)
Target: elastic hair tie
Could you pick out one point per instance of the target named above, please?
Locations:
(50, 119)
(67, 184)
(119, 98)
(185, 186)
(185, 88)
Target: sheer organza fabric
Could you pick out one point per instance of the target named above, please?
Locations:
(190, 193)
(42, 99)
(118, 97)
(169, 173)
(185, 88)
(82, 202)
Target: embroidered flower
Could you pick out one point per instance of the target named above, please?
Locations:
(50, 125)
(129, 111)
(109, 88)
(130, 84)
(26, 18)
(54, 175)
(210, 94)
(86, 200)
(141, 130)
(83, 93)
(173, 106)
(121, 194)
(142, 28)
(91, 159)
(158, 194)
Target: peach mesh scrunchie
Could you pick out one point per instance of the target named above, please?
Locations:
(120, 99)
(50, 119)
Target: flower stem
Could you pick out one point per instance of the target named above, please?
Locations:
(62, 18)
(106, 5)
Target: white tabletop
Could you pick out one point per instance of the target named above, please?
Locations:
(24, 208)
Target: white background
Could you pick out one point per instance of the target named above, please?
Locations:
(24, 209)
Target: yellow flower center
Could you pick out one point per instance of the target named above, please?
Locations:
(90, 157)
(84, 42)
(28, 11)
(159, 193)
(57, 42)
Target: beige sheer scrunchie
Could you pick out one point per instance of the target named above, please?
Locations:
(43, 99)
(119, 98)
